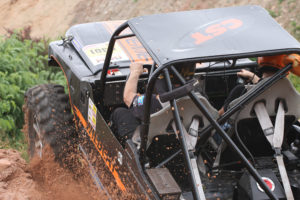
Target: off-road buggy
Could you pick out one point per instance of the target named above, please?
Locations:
(185, 150)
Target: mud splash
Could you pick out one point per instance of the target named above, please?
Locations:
(43, 179)
(16, 181)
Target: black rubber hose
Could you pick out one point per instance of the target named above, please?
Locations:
(243, 145)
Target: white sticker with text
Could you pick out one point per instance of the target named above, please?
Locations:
(97, 52)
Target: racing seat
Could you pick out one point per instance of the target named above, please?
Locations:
(267, 104)
(279, 101)
(269, 99)
(161, 121)
(282, 90)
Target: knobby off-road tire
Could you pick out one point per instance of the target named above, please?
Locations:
(49, 121)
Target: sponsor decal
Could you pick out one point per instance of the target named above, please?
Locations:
(76, 44)
(131, 45)
(120, 158)
(99, 147)
(92, 135)
(209, 32)
(215, 29)
(269, 183)
(92, 112)
(97, 52)
(113, 72)
(141, 100)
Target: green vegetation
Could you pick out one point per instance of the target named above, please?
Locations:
(296, 81)
(23, 64)
(295, 30)
(274, 14)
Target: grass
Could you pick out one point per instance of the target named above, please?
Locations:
(296, 81)
(274, 14)
(295, 30)
(23, 64)
(19, 145)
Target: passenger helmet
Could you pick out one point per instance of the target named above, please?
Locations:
(274, 63)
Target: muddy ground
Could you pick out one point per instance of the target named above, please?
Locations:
(41, 180)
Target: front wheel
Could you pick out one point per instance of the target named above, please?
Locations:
(48, 120)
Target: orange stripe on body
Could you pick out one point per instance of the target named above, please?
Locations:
(85, 125)
(101, 152)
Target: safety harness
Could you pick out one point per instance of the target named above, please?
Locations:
(275, 135)
(191, 140)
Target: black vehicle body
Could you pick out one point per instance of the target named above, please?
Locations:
(222, 40)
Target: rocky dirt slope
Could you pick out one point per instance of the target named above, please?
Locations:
(15, 180)
(41, 180)
(52, 18)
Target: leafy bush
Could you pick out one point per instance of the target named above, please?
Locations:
(295, 80)
(23, 64)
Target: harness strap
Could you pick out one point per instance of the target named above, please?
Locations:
(198, 179)
(277, 142)
(193, 130)
(220, 150)
(264, 121)
(136, 137)
(279, 126)
(201, 165)
(191, 141)
(219, 153)
(284, 178)
(275, 138)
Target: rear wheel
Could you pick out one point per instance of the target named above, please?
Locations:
(48, 120)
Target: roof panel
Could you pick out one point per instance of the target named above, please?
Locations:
(220, 32)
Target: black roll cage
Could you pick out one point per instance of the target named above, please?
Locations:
(215, 124)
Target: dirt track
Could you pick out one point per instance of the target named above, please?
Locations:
(52, 18)
(41, 180)
(15, 180)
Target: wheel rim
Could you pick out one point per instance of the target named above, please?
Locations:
(38, 139)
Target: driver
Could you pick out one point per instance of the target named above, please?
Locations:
(125, 120)
(133, 100)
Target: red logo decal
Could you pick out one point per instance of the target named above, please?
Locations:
(269, 183)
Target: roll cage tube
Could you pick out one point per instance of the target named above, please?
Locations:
(227, 139)
(109, 52)
(182, 139)
(277, 76)
(145, 126)
(145, 122)
(214, 123)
